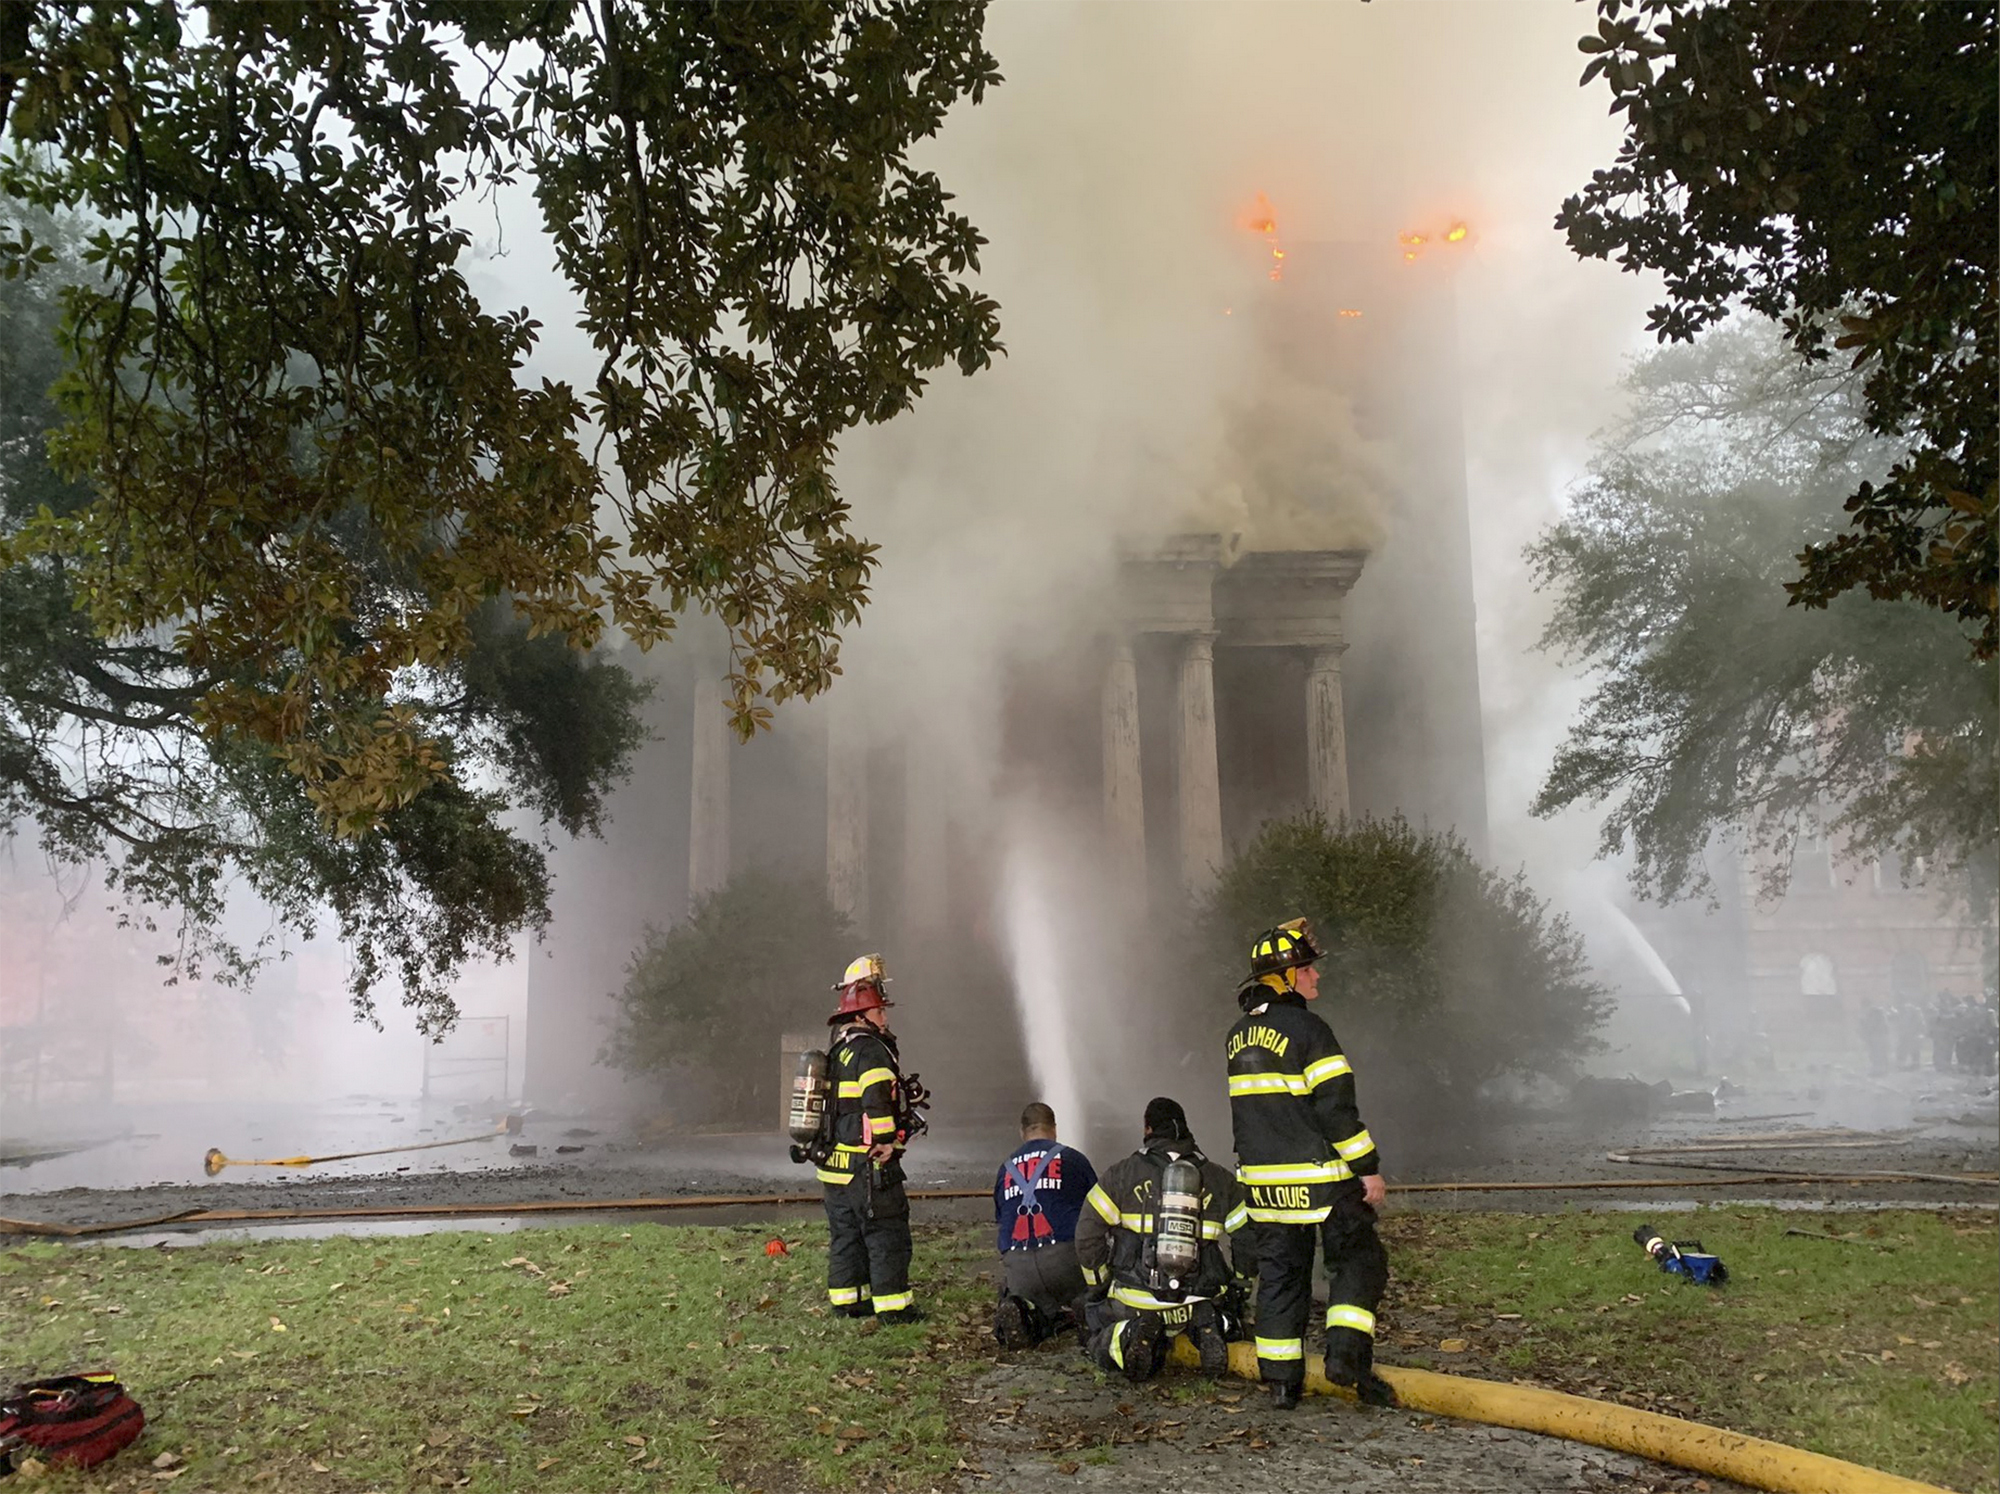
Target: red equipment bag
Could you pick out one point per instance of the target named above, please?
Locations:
(79, 1420)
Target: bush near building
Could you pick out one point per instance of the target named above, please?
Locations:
(1443, 972)
(726, 983)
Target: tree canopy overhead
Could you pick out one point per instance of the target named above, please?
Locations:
(1716, 710)
(1832, 166)
(300, 565)
(311, 454)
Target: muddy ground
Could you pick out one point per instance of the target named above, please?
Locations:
(1044, 1421)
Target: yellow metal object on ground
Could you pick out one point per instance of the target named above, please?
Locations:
(1645, 1434)
(213, 1160)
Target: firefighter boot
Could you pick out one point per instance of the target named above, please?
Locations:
(1140, 1347)
(1369, 1388)
(1011, 1324)
(1285, 1394)
(1213, 1348)
(1372, 1390)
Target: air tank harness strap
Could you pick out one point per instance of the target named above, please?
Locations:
(1030, 1223)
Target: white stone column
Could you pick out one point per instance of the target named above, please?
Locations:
(847, 811)
(1200, 779)
(926, 845)
(1326, 735)
(708, 808)
(1124, 800)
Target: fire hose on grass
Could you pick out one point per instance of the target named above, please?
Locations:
(1704, 1449)
(199, 1216)
(1645, 1434)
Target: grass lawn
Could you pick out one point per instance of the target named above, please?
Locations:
(1882, 1347)
(571, 1360)
(601, 1358)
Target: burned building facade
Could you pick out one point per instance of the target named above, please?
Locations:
(1233, 673)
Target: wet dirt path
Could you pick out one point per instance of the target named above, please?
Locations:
(1044, 1421)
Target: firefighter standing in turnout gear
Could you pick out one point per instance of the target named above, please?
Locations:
(873, 1116)
(1310, 1170)
(1136, 1309)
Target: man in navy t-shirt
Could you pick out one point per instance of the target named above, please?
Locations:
(1036, 1199)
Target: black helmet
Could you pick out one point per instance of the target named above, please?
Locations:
(1286, 947)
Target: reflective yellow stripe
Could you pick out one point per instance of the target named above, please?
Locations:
(1238, 1217)
(877, 1076)
(1267, 1084)
(882, 1125)
(1264, 1175)
(894, 1301)
(1211, 1229)
(1118, 1343)
(1290, 1216)
(1359, 1145)
(846, 1296)
(1139, 1224)
(1321, 1070)
(1360, 1319)
(850, 1089)
(1144, 1300)
(1099, 1200)
(849, 1146)
(1281, 1348)
(827, 1176)
(1093, 1275)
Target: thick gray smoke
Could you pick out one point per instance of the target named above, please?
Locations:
(1116, 174)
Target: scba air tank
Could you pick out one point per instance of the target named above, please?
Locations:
(1177, 1225)
(810, 1095)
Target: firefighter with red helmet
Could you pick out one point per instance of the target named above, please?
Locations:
(1310, 1170)
(874, 1112)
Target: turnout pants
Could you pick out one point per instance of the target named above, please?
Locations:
(1114, 1328)
(1357, 1271)
(1047, 1281)
(868, 1240)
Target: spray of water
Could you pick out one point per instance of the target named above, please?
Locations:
(1032, 935)
(1597, 909)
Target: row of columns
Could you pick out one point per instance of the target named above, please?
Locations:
(1198, 786)
(846, 812)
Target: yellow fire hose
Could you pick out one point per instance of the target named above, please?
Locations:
(213, 1161)
(1645, 1434)
(1664, 1439)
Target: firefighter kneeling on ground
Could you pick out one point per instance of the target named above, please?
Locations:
(874, 1113)
(1037, 1199)
(1310, 1170)
(1150, 1244)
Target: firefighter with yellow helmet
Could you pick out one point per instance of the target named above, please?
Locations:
(1310, 1171)
(874, 1111)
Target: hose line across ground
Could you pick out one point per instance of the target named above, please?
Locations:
(1646, 1434)
(191, 1217)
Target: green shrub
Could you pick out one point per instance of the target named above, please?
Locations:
(705, 1002)
(1450, 974)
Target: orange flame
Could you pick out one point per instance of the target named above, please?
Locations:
(1261, 218)
(1349, 311)
(1457, 234)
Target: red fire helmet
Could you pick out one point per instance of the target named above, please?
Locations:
(860, 989)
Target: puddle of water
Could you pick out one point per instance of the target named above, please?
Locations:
(484, 1224)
